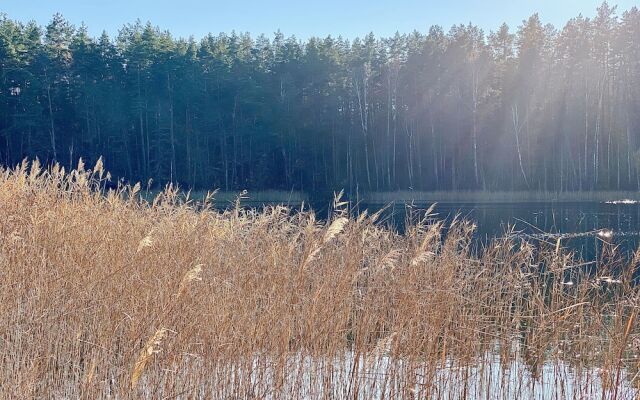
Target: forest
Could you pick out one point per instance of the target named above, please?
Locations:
(533, 107)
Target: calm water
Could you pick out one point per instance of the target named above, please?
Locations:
(583, 226)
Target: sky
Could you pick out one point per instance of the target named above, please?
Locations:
(349, 18)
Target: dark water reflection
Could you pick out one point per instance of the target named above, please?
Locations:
(583, 226)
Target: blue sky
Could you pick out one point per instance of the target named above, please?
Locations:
(301, 18)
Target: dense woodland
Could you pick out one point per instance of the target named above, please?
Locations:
(529, 108)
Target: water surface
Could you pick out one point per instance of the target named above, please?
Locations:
(582, 226)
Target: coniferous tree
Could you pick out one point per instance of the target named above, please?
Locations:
(525, 108)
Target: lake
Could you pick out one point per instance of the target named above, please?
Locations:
(583, 226)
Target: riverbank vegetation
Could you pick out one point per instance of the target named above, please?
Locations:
(104, 294)
(532, 108)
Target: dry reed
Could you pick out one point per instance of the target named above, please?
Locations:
(275, 304)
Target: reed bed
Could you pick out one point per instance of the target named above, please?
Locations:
(105, 294)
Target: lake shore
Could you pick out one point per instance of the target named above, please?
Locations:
(296, 198)
(408, 197)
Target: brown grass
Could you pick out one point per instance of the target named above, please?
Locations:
(107, 295)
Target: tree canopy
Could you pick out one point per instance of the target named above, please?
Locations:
(532, 108)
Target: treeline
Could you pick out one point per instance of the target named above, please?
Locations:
(538, 108)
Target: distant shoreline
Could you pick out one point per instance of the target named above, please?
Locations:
(407, 197)
(422, 197)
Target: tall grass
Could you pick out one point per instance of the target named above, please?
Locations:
(104, 294)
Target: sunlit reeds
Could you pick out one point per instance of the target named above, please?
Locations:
(105, 294)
